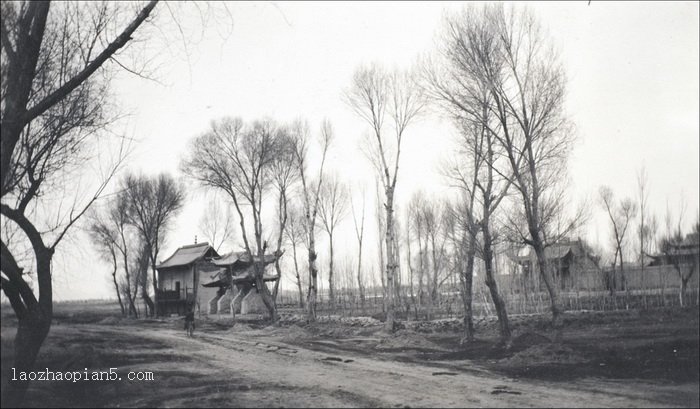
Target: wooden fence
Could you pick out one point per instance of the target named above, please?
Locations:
(450, 305)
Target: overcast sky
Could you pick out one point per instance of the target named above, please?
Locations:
(632, 94)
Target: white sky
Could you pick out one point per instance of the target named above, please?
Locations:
(632, 93)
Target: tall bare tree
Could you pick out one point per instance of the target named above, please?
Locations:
(673, 247)
(360, 234)
(463, 235)
(152, 204)
(620, 215)
(294, 233)
(105, 239)
(374, 95)
(236, 159)
(644, 230)
(459, 82)
(110, 226)
(524, 83)
(51, 110)
(430, 221)
(332, 209)
(285, 175)
(310, 191)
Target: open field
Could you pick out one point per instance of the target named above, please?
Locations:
(613, 359)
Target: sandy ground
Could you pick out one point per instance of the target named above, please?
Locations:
(247, 367)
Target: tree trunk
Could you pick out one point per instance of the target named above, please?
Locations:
(491, 283)
(265, 295)
(331, 289)
(131, 296)
(132, 306)
(148, 303)
(282, 214)
(33, 327)
(153, 305)
(684, 285)
(553, 295)
(468, 291)
(623, 279)
(276, 288)
(31, 331)
(360, 286)
(116, 286)
(313, 282)
(296, 270)
(195, 284)
(390, 261)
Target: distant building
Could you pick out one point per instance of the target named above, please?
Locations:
(687, 252)
(573, 265)
(197, 276)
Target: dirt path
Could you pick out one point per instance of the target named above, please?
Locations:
(263, 372)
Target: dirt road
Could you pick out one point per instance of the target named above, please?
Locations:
(239, 369)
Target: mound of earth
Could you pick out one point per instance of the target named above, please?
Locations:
(406, 339)
(527, 340)
(545, 354)
(109, 321)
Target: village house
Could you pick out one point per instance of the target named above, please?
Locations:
(574, 267)
(687, 252)
(197, 276)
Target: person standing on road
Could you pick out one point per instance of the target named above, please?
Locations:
(189, 319)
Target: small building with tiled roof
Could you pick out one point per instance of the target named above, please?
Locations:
(197, 276)
(573, 265)
(179, 275)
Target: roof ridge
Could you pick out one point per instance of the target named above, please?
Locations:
(201, 248)
(189, 246)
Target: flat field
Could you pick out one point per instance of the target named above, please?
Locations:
(616, 359)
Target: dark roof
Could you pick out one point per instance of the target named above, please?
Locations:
(187, 255)
(240, 264)
(557, 251)
(553, 252)
(220, 280)
(242, 259)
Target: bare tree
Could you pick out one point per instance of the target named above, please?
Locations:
(310, 191)
(374, 95)
(128, 243)
(152, 204)
(360, 234)
(620, 216)
(464, 232)
(332, 209)
(106, 240)
(237, 159)
(294, 233)
(285, 174)
(507, 53)
(111, 228)
(459, 83)
(680, 251)
(643, 231)
(430, 223)
(217, 224)
(381, 235)
(51, 111)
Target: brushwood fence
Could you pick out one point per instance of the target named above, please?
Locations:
(450, 304)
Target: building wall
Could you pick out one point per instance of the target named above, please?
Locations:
(659, 276)
(593, 279)
(204, 295)
(167, 278)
